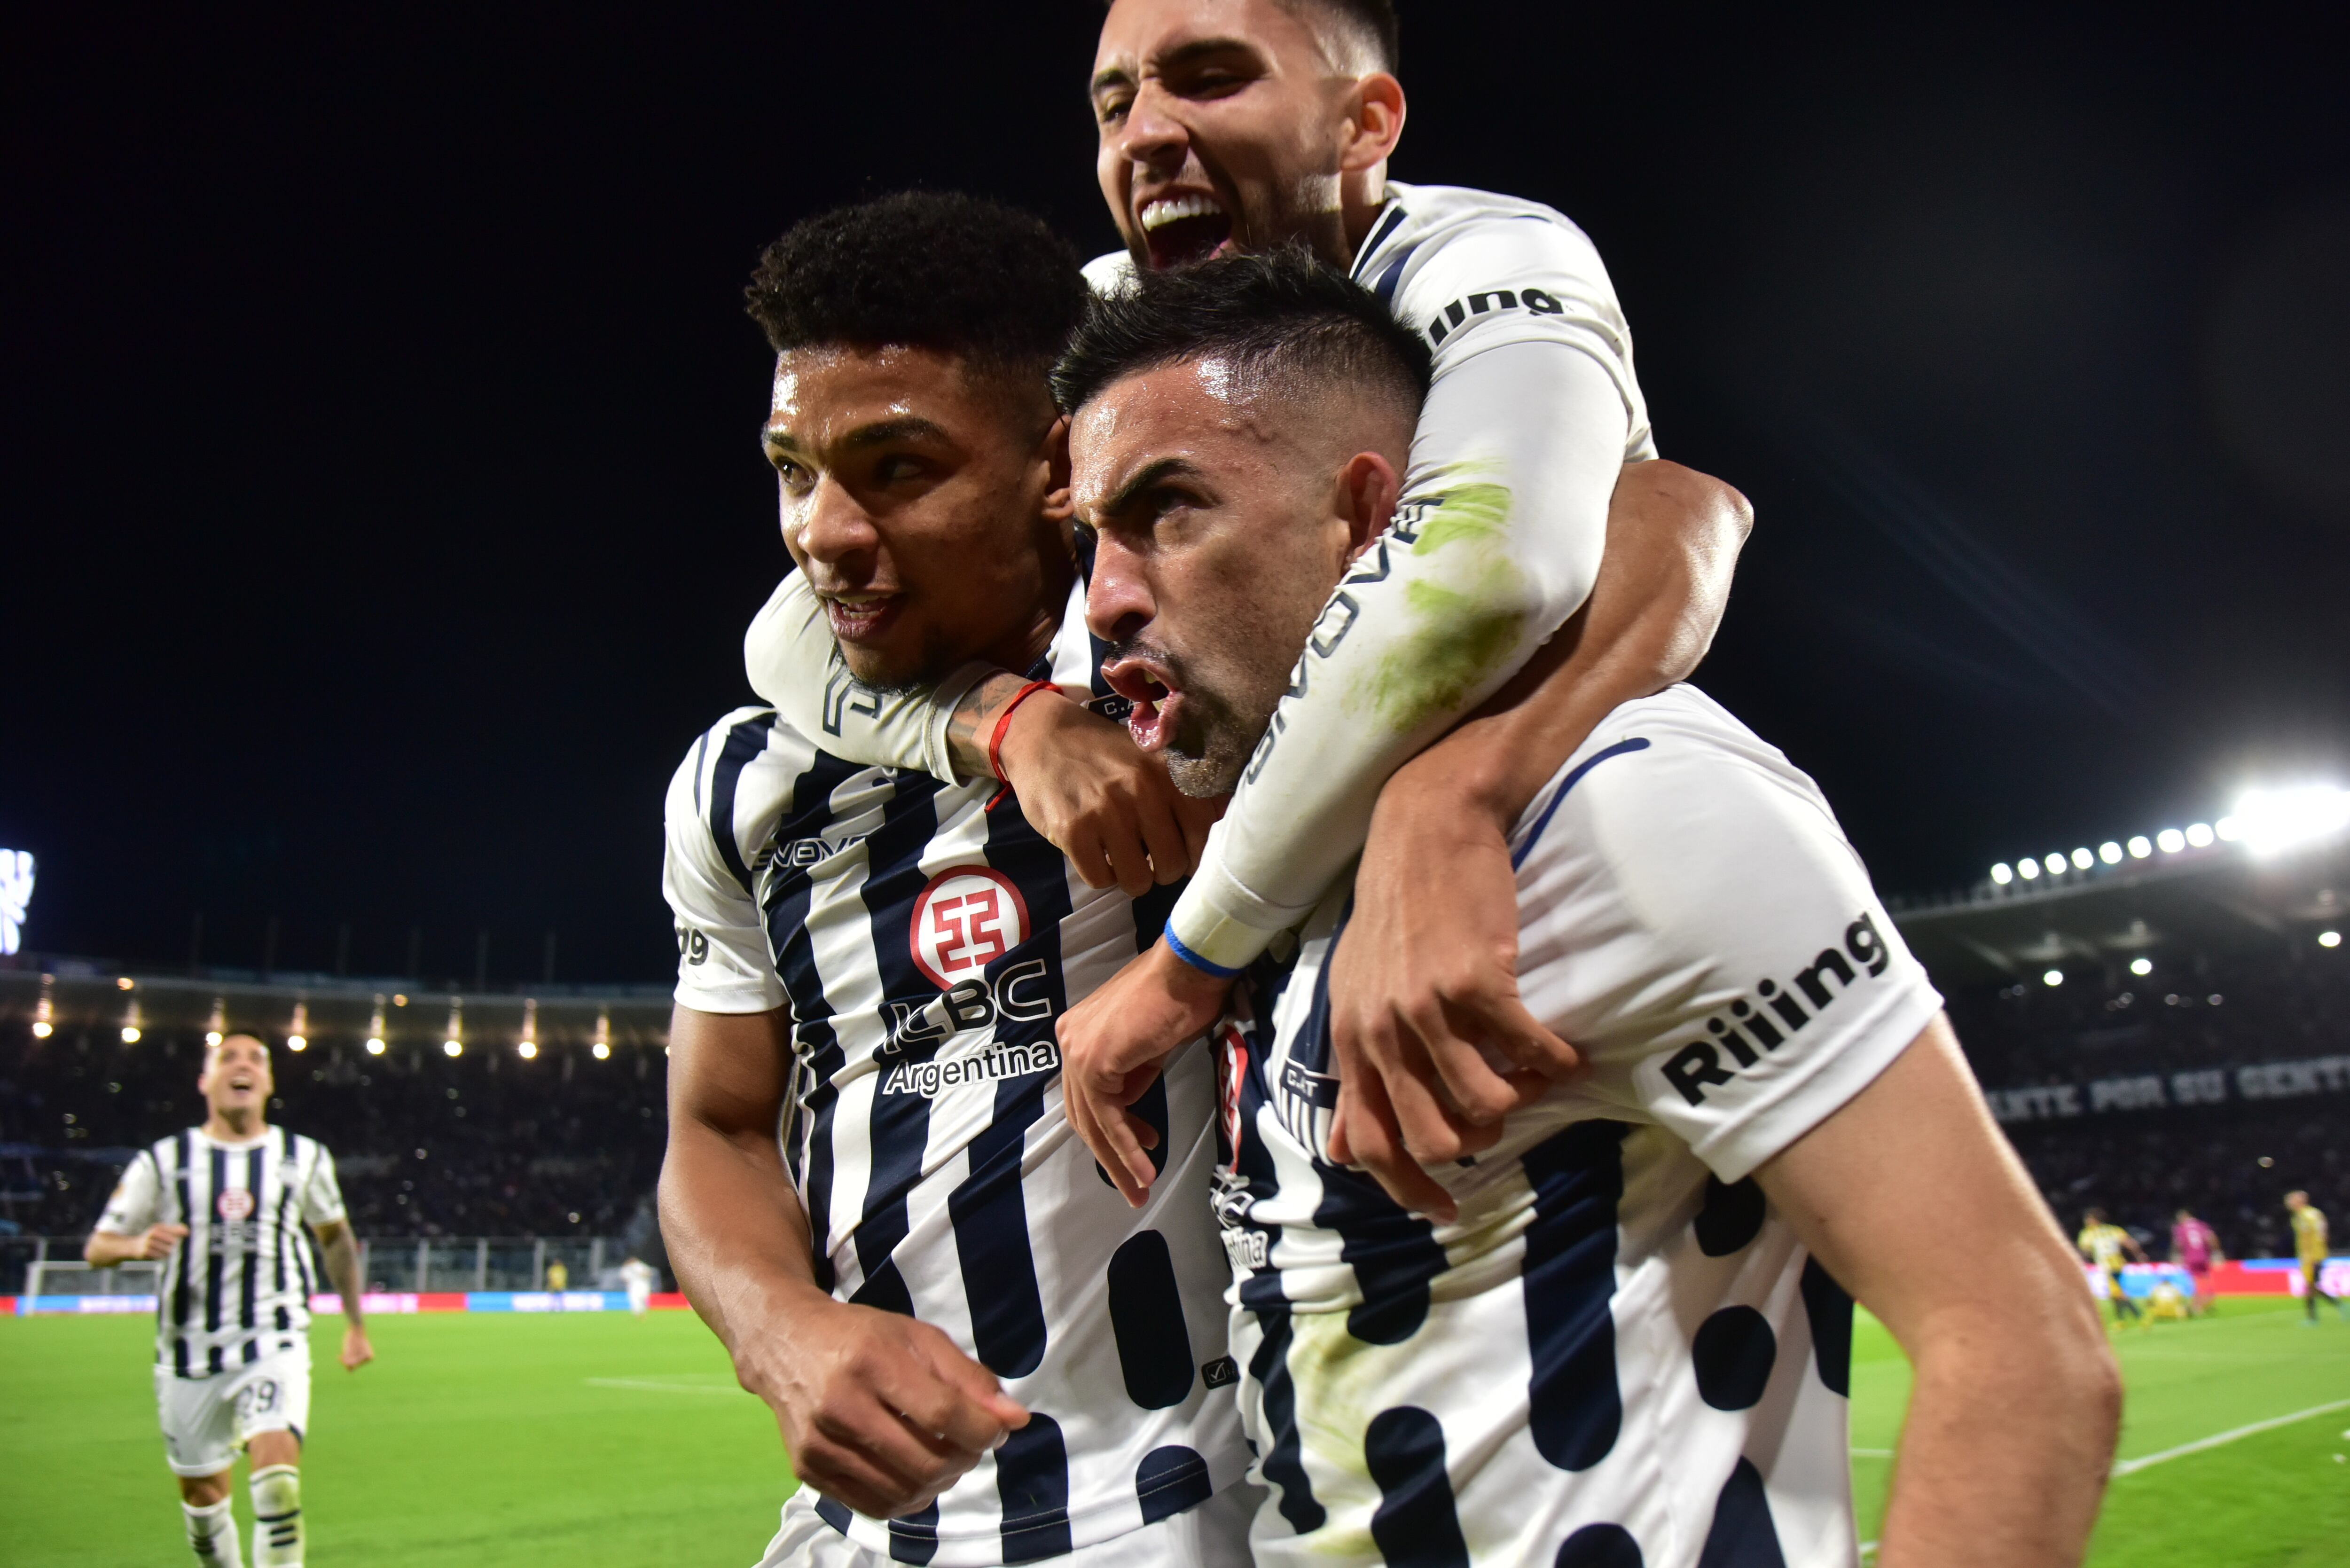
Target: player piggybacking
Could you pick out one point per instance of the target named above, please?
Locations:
(222, 1206)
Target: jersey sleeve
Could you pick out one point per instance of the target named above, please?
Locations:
(723, 962)
(132, 1206)
(1530, 418)
(322, 1194)
(1696, 923)
(794, 665)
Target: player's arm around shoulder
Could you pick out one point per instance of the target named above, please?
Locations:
(876, 1410)
(1912, 1200)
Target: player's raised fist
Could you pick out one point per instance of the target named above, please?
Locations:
(158, 1240)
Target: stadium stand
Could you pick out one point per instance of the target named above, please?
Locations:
(2190, 1053)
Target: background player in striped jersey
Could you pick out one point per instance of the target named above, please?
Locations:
(1629, 1342)
(223, 1207)
(1242, 125)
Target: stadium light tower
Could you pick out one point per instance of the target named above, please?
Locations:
(2272, 820)
(602, 1048)
(297, 1032)
(375, 1028)
(45, 1012)
(454, 1044)
(130, 1030)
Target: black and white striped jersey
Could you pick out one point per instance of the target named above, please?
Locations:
(238, 1288)
(924, 939)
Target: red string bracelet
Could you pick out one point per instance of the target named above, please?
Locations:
(995, 744)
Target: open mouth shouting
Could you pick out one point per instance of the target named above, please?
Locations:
(242, 1083)
(1158, 705)
(1183, 226)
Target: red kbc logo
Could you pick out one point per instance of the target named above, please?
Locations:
(236, 1204)
(966, 919)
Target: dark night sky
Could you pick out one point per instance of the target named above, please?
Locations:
(383, 508)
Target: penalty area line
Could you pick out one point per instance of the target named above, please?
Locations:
(2131, 1466)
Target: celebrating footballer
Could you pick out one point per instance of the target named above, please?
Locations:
(1470, 1150)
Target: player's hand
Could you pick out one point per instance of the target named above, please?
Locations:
(1110, 809)
(357, 1351)
(1433, 1044)
(160, 1239)
(1113, 1044)
(877, 1412)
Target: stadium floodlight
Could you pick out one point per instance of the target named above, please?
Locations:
(42, 1029)
(2141, 966)
(452, 1047)
(298, 1029)
(2053, 977)
(131, 1034)
(2027, 868)
(2001, 875)
(2229, 829)
(2140, 846)
(2083, 859)
(2329, 939)
(2278, 819)
(528, 1050)
(2170, 841)
(2110, 853)
(213, 1036)
(600, 1050)
(2055, 864)
(298, 1042)
(2200, 834)
(375, 1045)
(124, 982)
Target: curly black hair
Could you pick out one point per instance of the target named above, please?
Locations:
(1283, 315)
(933, 269)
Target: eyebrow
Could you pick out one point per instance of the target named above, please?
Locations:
(1153, 473)
(882, 432)
(1175, 58)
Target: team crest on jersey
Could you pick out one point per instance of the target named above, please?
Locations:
(966, 919)
(236, 1204)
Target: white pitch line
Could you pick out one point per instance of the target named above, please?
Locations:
(1872, 1453)
(657, 1387)
(2131, 1466)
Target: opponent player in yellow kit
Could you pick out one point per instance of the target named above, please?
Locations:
(2102, 1242)
(2309, 1242)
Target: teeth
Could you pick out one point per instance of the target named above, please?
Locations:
(1159, 214)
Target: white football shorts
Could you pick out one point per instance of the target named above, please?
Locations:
(1212, 1535)
(204, 1418)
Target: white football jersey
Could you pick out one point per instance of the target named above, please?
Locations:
(1534, 410)
(238, 1287)
(926, 938)
(1619, 1352)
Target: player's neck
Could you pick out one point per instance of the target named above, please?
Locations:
(1360, 197)
(235, 1126)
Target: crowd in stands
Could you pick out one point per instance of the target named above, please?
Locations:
(488, 1144)
(485, 1144)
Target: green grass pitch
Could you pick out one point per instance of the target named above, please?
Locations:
(598, 1438)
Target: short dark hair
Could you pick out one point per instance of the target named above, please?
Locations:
(1281, 313)
(933, 269)
(1374, 22)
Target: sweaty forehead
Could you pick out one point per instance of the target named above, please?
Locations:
(1208, 414)
(1141, 35)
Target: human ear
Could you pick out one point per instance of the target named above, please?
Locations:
(1368, 489)
(1374, 123)
(1053, 451)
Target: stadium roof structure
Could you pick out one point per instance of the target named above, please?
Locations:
(2223, 896)
(62, 995)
